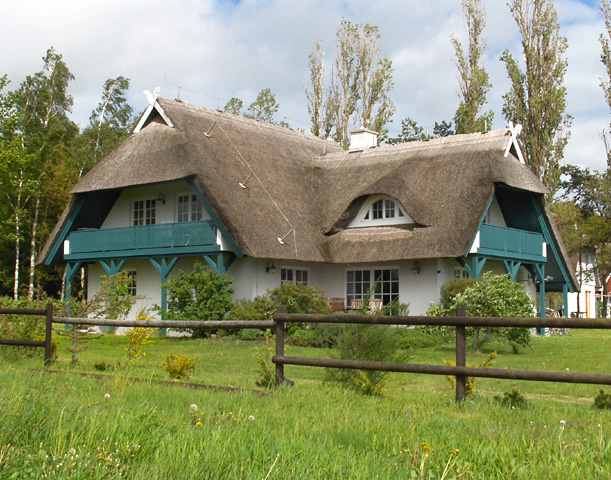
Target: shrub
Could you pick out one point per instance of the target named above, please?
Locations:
(364, 342)
(199, 295)
(470, 381)
(492, 296)
(261, 308)
(413, 338)
(267, 369)
(603, 400)
(139, 337)
(179, 366)
(513, 399)
(299, 298)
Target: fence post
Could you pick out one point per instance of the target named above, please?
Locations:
(461, 355)
(49, 334)
(280, 349)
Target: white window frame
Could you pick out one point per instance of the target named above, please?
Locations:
(365, 217)
(148, 212)
(381, 286)
(294, 274)
(195, 210)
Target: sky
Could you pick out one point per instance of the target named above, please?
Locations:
(218, 49)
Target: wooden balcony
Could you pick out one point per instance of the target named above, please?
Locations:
(511, 244)
(142, 241)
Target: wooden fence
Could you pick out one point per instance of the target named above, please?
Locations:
(461, 321)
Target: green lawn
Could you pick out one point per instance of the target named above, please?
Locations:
(61, 426)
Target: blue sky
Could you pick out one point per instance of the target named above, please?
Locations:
(218, 49)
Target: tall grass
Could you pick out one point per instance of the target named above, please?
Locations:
(62, 426)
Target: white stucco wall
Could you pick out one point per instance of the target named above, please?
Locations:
(584, 302)
(122, 210)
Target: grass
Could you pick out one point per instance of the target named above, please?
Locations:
(56, 426)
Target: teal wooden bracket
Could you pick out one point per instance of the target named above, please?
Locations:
(163, 269)
(214, 218)
(229, 261)
(64, 233)
(512, 268)
(113, 268)
(475, 269)
(550, 241)
(540, 276)
(565, 292)
(71, 269)
(481, 220)
(218, 264)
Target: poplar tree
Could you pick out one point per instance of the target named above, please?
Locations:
(472, 77)
(359, 85)
(537, 98)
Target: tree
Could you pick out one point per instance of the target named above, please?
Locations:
(43, 132)
(537, 98)
(410, 132)
(234, 106)
(109, 124)
(264, 107)
(472, 77)
(359, 85)
(443, 129)
(199, 295)
(316, 95)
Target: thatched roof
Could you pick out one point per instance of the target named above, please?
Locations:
(309, 188)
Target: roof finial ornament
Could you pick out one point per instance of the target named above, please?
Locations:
(152, 97)
(514, 131)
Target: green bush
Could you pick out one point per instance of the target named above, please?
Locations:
(491, 296)
(513, 399)
(199, 295)
(266, 368)
(299, 298)
(378, 343)
(414, 338)
(179, 366)
(603, 400)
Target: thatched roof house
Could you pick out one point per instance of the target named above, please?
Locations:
(283, 196)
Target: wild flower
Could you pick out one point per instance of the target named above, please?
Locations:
(251, 418)
(107, 396)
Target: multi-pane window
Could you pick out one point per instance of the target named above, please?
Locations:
(384, 209)
(460, 273)
(189, 209)
(290, 275)
(144, 212)
(131, 283)
(359, 282)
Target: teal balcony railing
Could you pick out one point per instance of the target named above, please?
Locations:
(511, 243)
(133, 240)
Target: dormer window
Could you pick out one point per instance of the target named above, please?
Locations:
(381, 210)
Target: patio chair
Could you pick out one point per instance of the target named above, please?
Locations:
(356, 304)
(375, 305)
(337, 304)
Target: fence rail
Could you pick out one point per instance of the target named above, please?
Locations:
(461, 321)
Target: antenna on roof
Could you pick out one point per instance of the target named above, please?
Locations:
(243, 185)
(207, 134)
(281, 240)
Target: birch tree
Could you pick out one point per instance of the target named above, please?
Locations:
(473, 79)
(316, 94)
(537, 98)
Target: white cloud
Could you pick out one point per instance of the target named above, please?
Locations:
(221, 49)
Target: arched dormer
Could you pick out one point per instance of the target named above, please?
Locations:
(381, 210)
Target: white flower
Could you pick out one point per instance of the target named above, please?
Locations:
(107, 396)
(72, 451)
(562, 422)
(193, 407)
(251, 418)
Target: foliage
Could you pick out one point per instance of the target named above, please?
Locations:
(139, 337)
(491, 296)
(234, 106)
(512, 399)
(377, 343)
(266, 368)
(299, 298)
(199, 295)
(412, 132)
(415, 338)
(179, 366)
(470, 381)
(395, 307)
(359, 85)
(537, 99)
(602, 400)
(260, 308)
(264, 107)
(473, 79)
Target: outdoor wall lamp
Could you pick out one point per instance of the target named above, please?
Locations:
(271, 268)
(161, 199)
(415, 269)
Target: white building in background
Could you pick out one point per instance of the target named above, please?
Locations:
(267, 205)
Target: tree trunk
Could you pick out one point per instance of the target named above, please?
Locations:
(33, 249)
